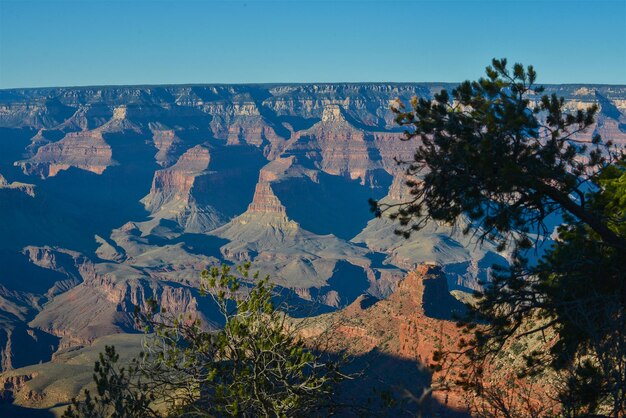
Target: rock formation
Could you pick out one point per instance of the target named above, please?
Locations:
(170, 195)
(85, 150)
(25, 188)
(411, 324)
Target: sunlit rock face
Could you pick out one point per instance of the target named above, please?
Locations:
(407, 327)
(85, 150)
(175, 183)
(110, 196)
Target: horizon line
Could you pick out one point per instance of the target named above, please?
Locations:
(278, 83)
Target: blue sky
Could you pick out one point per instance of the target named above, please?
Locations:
(89, 42)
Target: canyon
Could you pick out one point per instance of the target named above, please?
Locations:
(111, 196)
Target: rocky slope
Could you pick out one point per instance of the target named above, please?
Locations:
(393, 340)
(112, 195)
(407, 327)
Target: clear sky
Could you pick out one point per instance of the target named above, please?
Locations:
(89, 42)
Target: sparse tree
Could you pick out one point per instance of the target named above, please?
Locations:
(256, 365)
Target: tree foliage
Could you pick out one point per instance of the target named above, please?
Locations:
(486, 154)
(497, 154)
(256, 365)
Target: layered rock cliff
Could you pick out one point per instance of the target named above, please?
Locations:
(85, 150)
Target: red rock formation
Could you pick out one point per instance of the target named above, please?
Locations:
(166, 141)
(398, 325)
(86, 150)
(266, 210)
(338, 147)
(104, 304)
(264, 200)
(175, 183)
